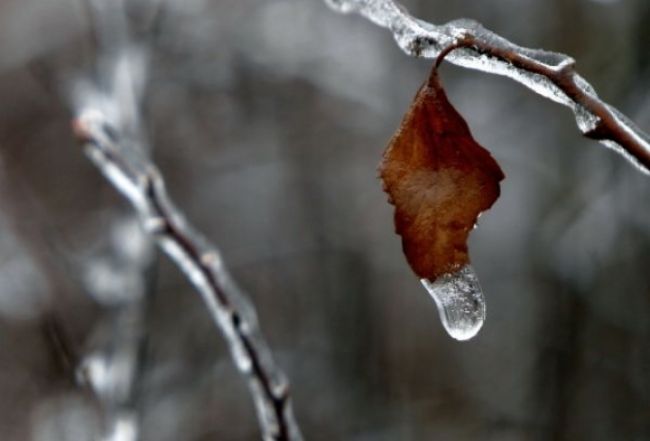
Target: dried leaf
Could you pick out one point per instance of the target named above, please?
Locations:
(440, 180)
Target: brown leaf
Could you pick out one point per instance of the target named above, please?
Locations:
(439, 179)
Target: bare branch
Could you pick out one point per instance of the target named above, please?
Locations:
(120, 279)
(141, 183)
(549, 74)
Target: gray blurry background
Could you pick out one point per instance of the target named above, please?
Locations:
(268, 119)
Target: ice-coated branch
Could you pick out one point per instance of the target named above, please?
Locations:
(133, 175)
(468, 44)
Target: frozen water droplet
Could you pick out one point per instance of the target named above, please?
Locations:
(460, 302)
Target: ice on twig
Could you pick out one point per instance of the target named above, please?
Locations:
(135, 176)
(548, 74)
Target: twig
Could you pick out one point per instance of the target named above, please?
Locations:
(549, 74)
(139, 181)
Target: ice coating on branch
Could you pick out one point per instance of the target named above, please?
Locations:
(133, 174)
(460, 302)
(632, 130)
(540, 74)
(413, 36)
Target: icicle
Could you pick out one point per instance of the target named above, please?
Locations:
(460, 302)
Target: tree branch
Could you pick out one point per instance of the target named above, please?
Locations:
(549, 74)
(120, 278)
(140, 182)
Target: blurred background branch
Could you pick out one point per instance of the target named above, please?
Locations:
(139, 181)
(119, 272)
